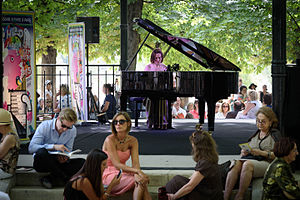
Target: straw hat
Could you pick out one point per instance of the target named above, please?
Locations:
(5, 118)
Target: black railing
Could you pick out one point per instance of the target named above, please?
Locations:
(59, 73)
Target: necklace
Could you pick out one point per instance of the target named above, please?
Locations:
(122, 141)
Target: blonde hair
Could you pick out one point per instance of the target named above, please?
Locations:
(68, 114)
(252, 94)
(64, 89)
(204, 147)
(127, 117)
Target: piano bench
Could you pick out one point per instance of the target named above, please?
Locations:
(137, 100)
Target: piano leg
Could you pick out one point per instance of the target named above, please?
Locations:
(123, 103)
(201, 110)
(211, 115)
(170, 112)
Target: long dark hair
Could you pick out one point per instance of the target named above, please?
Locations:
(91, 169)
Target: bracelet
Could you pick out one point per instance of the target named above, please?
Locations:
(106, 194)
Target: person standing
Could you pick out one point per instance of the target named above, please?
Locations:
(48, 96)
(57, 134)
(157, 108)
(64, 100)
(263, 92)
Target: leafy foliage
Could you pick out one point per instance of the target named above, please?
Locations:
(239, 30)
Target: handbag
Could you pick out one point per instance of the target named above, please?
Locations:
(224, 169)
(162, 193)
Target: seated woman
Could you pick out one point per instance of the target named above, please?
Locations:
(87, 182)
(261, 143)
(279, 182)
(205, 183)
(195, 110)
(225, 108)
(109, 104)
(9, 147)
(120, 146)
(251, 107)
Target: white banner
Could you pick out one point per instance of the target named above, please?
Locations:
(77, 69)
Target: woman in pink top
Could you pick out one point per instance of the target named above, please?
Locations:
(156, 61)
(157, 108)
(119, 146)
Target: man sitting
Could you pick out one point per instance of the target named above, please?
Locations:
(57, 134)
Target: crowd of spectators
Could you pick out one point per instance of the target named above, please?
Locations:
(243, 105)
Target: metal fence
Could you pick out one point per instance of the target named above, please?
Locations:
(58, 74)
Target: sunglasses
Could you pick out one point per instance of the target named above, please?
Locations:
(261, 122)
(121, 121)
(64, 126)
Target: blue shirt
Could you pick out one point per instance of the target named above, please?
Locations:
(111, 111)
(46, 137)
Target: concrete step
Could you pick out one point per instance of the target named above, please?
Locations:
(36, 193)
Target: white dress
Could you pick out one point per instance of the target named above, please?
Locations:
(251, 113)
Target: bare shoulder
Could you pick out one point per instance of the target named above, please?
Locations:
(132, 140)
(81, 183)
(10, 139)
(109, 140)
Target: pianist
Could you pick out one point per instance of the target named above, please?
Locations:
(157, 112)
(156, 61)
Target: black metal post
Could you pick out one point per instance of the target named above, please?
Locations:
(1, 65)
(279, 58)
(87, 79)
(124, 35)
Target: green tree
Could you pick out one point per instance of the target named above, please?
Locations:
(238, 30)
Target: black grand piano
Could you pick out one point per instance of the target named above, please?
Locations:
(206, 86)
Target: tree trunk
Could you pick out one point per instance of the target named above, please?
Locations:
(49, 71)
(134, 11)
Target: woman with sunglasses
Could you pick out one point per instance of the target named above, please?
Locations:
(225, 108)
(255, 162)
(120, 146)
(205, 182)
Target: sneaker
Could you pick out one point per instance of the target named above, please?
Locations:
(46, 183)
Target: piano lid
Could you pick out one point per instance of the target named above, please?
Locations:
(190, 48)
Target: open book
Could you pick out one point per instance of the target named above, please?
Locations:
(246, 147)
(69, 154)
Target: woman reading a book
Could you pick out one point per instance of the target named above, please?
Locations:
(258, 159)
(120, 146)
(87, 182)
